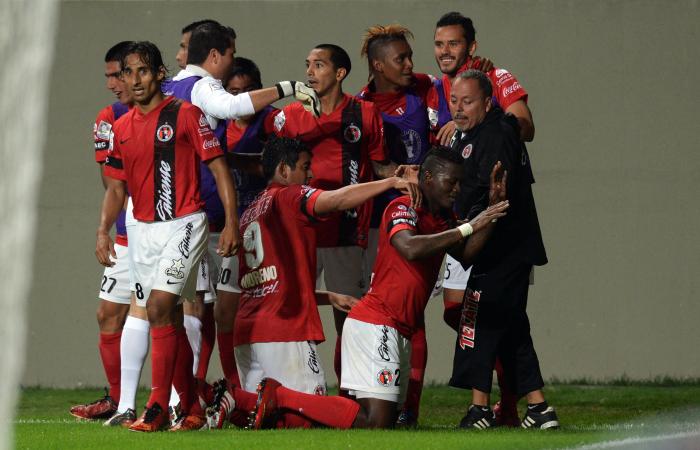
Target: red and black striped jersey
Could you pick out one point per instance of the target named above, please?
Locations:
(158, 155)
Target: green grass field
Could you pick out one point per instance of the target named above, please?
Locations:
(589, 414)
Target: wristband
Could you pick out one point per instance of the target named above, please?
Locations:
(285, 88)
(466, 229)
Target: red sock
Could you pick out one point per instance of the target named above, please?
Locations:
(245, 401)
(334, 411)
(163, 354)
(111, 361)
(337, 366)
(294, 420)
(452, 314)
(419, 360)
(183, 379)
(208, 338)
(509, 399)
(228, 360)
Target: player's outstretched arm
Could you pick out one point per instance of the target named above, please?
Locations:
(354, 195)
(229, 241)
(307, 96)
(115, 195)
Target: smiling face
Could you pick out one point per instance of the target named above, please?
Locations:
(115, 82)
(468, 104)
(451, 49)
(396, 64)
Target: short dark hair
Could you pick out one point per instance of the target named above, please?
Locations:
(437, 159)
(339, 57)
(149, 53)
(281, 150)
(455, 18)
(206, 37)
(116, 53)
(484, 82)
(245, 67)
(193, 25)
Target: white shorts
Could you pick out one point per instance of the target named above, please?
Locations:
(228, 275)
(374, 358)
(455, 276)
(296, 365)
(166, 255)
(342, 269)
(115, 285)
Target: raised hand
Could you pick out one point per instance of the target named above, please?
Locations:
(489, 215)
(411, 188)
(497, 185)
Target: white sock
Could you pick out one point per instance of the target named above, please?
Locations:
(133, 348)
(193, 327)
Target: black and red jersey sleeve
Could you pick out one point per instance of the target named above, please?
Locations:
(101, 132)
(114, 166)
(302, 198)
(398, 217)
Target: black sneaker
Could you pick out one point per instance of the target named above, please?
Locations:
(124, 419)
(479, 417)
(545, 420)
(407, 419)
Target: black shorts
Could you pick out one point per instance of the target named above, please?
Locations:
(494, 324)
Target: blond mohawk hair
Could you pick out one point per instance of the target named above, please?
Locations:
(382, 34)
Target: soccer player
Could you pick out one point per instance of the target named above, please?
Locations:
(115, 294)
(494, 320)
(403, 97)
(277, 324)
(209, 60)
(455, 44)
(348, 147)
(156, 148)
(376, 335)
(244, 136)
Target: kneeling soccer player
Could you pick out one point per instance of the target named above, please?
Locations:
(376, 336)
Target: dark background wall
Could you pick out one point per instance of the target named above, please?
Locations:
(613, 90)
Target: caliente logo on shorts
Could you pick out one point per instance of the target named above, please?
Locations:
(164, 133)
(385, 377)
(175, 270)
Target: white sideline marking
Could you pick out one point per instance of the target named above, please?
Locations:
(640, 440)
(54, 421)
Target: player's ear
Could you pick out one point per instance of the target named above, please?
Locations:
(340, 74)
(472, 48)
(489, 104)
(282, 170)
(161, 73)
(377, 65)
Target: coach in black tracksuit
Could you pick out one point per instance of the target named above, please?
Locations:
(494, 321)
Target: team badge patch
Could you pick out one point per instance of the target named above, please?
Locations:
(175, 270)
(164, 133)
(385, 377)
(352, 133)
(467, 151)
(280, 120)
(103, 130)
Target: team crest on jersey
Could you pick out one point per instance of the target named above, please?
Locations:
(433, 117)
(103, 130)
(175, 270)
(352, 133)
(164, 133)
(385, 377)
(280, 120)
(467, 151)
